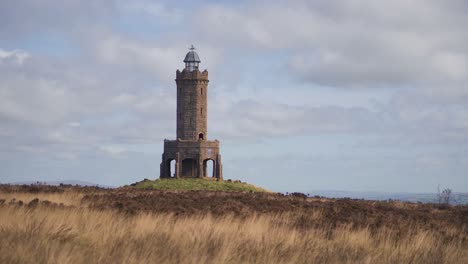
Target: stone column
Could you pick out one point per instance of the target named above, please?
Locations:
(219, 168)
(162, 171)
(177, 165)
(200, 167)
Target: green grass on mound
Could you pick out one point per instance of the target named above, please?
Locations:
(198, 185)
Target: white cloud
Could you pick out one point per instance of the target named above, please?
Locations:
(15, 56)
(356, 43)
(152, 8)
(74, 124)
(116, 51)
(113, 150)
(454, 65)
(124, 99)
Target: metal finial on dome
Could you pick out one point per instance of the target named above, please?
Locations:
(192, 56)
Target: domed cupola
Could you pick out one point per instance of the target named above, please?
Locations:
(191, 60)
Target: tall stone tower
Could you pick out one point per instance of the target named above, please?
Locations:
(191, 151)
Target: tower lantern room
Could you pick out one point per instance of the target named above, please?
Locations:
(191, 60)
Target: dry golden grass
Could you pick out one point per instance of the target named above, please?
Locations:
(44, 234)
(84, 236)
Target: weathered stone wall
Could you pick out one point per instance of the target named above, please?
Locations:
(199, 151)
(192, 107)
(193, 150)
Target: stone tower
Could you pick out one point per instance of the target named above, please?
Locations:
(192, 150)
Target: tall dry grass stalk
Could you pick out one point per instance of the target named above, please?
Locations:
(82, 235)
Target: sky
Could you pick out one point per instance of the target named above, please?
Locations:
(354, 95)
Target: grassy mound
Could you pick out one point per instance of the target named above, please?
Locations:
(198, 185)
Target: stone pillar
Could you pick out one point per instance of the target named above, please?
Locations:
(219, 167)
(178, 165)
(162, 168)
(201, 172)
(220, 176)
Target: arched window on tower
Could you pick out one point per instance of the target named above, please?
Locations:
(201, 136)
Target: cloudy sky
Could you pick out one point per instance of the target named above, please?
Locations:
(304, 95)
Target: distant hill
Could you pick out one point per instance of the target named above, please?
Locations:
(458, 198)
(66, 182)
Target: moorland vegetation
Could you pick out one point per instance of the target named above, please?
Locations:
(66, 224)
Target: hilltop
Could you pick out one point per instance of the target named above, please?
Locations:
(197, 185)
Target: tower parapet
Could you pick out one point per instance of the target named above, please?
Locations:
(192, 75)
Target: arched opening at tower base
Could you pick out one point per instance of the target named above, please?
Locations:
(189, 168)
(208, 168)
(170, 168)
